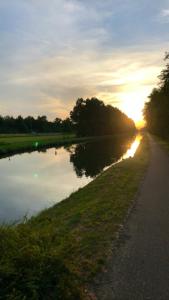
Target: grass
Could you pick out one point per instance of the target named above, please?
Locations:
(11, 144)
(18, 143)
(55, 254)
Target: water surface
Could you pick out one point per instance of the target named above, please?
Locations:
(30, 182)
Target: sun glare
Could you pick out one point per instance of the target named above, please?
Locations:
(134, 112)
(131, 151)
(130, 100)
(133, 88)
(133, 104)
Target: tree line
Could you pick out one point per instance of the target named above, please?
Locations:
(156, 110)
(30, 124)
(90, 117)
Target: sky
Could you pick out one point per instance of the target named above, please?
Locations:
(54, 52)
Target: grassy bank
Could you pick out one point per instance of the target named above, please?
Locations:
(54, 255)
(11, 144)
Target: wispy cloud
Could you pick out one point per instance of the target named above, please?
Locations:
(60, 80)
(165, 13)
(53, 52)
(163, 16)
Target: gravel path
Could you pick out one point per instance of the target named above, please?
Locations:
(140, 267)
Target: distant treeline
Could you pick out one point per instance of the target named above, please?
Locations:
(156, 111)
(34, 125)
(90, 117)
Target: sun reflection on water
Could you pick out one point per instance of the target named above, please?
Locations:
(132, 150)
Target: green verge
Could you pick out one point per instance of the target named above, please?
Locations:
(11, 144)
(55, 254)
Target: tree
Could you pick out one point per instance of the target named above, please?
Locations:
(91, 117)
(156, 110)
(58, 125)
(67, 125)
(20, 125)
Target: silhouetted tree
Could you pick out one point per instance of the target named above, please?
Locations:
(31, 125)
(58, 124)
(67, 125)
(92, 117)
(156, 111)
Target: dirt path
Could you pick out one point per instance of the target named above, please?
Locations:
(140, 267)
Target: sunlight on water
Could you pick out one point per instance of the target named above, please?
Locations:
(130, 152)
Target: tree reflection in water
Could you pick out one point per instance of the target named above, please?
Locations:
(90, 158)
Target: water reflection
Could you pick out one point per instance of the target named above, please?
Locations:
(34, 181)
(132, 149)
(90, 158)
(30, 182)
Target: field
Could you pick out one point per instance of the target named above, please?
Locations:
(11, 144)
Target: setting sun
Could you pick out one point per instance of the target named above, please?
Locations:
(129, 88)
(134, 111)
(133, 104)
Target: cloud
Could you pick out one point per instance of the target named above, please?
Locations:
(52, 85)
(165, 13)
(53, 52)
(164, 16)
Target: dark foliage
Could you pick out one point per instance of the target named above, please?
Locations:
(92, 117)
(31, 125)
(156, 111)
